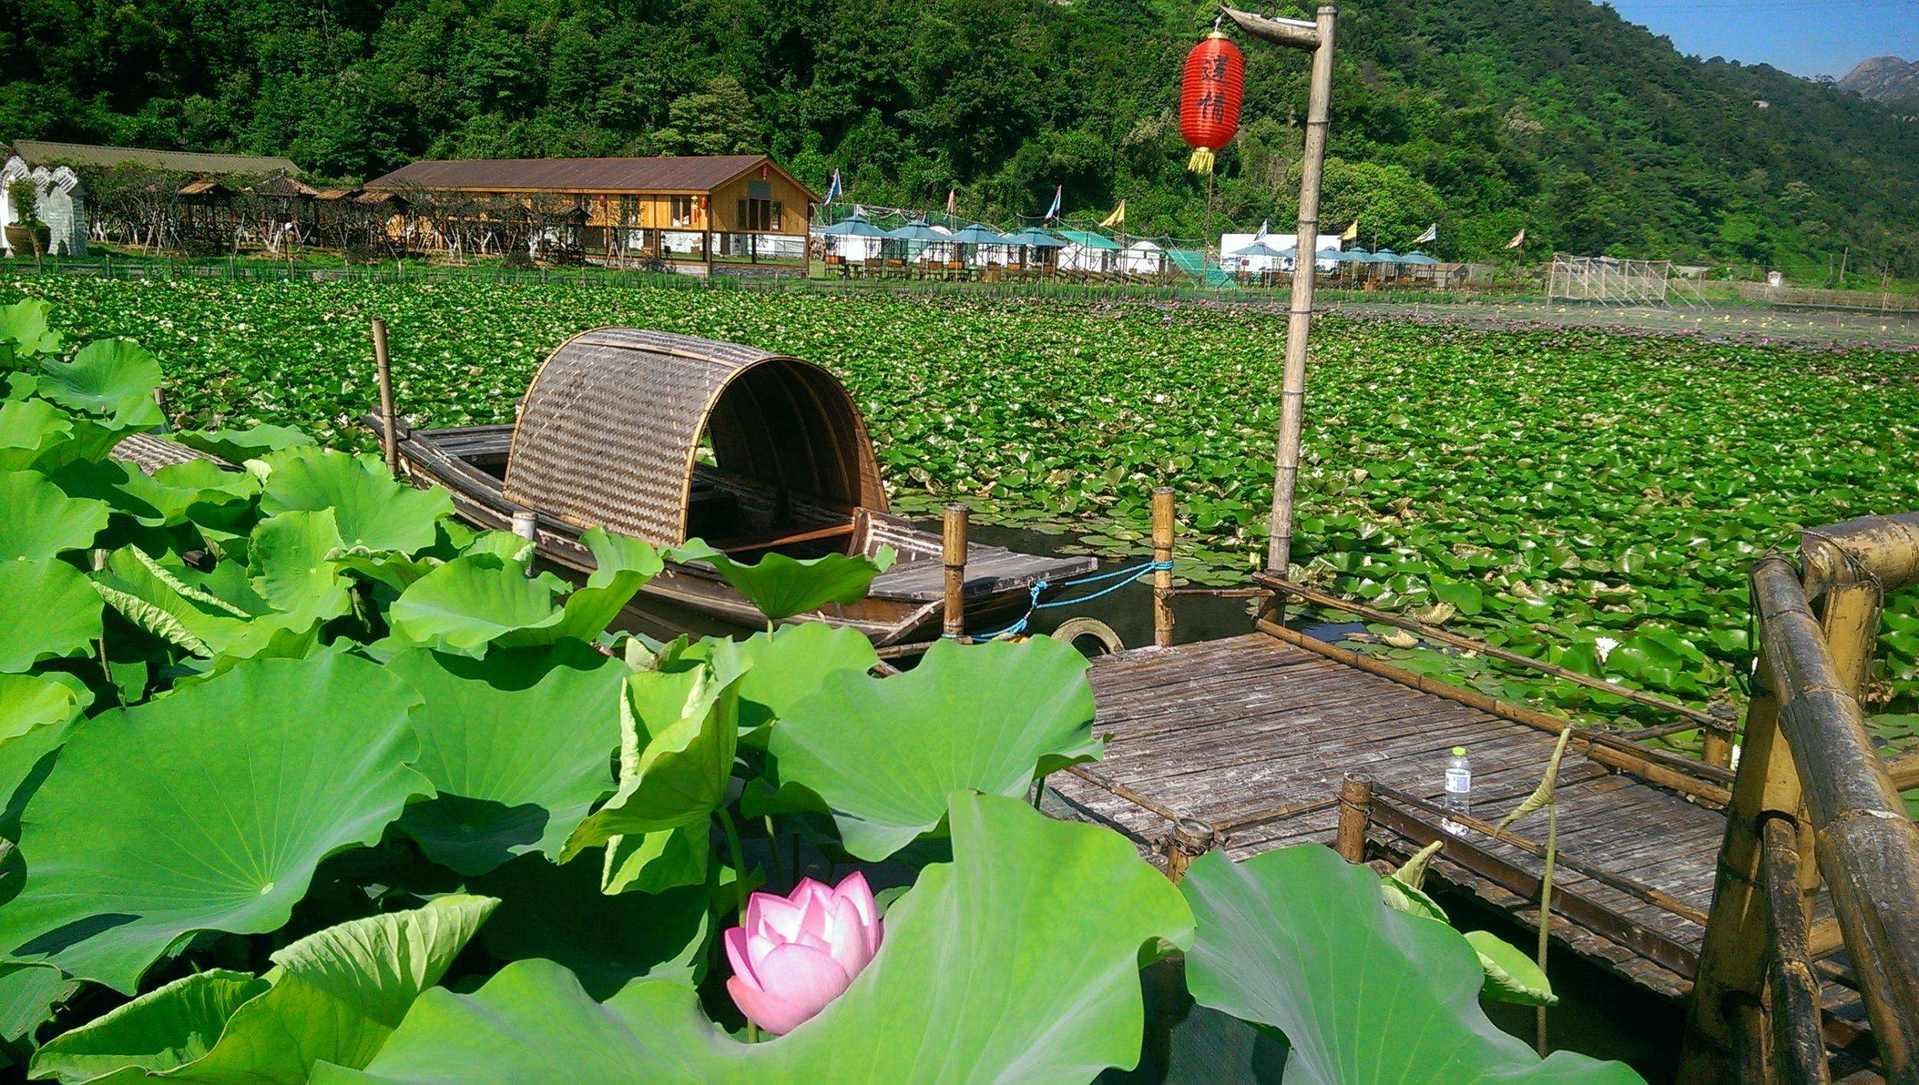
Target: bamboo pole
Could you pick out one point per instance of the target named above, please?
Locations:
(1299, 321)
(1795, 1047)
(1188, 839)
(389, 437)
(1867, 846)
(1355, 812)
(1163, 556)
(953, 555)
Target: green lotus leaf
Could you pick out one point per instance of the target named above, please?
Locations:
(237, 445)
(987, 717)
(470, 602)
(47, 706)
(37, 520)
(288, 555)
(518, 746)
(175, 489)
(335, 996)
(27, 994)
(657, 861)
(559, 913)
(623, 566)
(1511, 975)
(29, 428)
(784, 667)
(396, 571)
(28, 701)
(24, 325)
(678, 734)
(242, 784)
(780, 586)
(48, 609)
(111, 377)
(195, 620)
(372, 508)
(1301, 940)
(993, 969)
(501, 544)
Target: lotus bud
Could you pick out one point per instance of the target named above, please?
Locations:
(792, 955)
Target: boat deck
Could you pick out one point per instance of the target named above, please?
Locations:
(1253, 735)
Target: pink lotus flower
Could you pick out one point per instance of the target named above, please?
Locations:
(797, 953)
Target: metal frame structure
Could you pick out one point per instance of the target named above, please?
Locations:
(1608, 281)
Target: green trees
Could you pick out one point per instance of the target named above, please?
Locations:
(1556, 116)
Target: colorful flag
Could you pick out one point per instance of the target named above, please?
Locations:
(1261, 235)
(1352, 232)
(952, 201)
(833, 189)
(1117, 218)
(1053, 211)
(1518, 239)
(1431, 234)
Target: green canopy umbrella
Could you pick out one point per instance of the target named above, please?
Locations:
(1345, 256)
(1035, 238)
(856, 226)
(1418, 258)
(977, 234)
(918, 230)
(1386, 256)
(1260, 248)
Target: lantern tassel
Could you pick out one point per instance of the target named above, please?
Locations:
(1202, 160)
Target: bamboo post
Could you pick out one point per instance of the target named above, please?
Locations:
(953, 555)
(1299, 322)
(1163, 557)
(1717, 737)
(1355, 813)
(389, 436)
(1188, 839)
(1795, 1049)
(527, 526)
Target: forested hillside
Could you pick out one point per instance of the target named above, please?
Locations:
(1485, 115)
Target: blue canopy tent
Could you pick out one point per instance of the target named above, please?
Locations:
(854, 225)
(918, 231)
(977, 235)
(1038, 240)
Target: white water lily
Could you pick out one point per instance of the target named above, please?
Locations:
(1604, 646)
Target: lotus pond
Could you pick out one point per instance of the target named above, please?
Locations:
(303, 781)
(1587, 498)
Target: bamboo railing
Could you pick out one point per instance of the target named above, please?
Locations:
(1812, 803)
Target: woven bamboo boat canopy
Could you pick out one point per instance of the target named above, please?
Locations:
(611, 429)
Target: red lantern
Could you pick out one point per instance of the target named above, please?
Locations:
(1209, 97)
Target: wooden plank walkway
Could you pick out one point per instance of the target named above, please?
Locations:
(1253, 735)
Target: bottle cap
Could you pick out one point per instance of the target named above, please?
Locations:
(1459, 751)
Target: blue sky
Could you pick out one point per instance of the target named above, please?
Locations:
(1805, 37)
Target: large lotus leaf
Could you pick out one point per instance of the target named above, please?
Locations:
(781, 586)
(206, 809)
(623, 566)
(372, 508)
(112, 377)
(986, 717)
(470, 602)
(657, 861)
(518, 746)
(559, 913)
(678, 734)
(1301, 940)
(335, 995)
(27, 995)
(47, 609)
(23, 325)
(195, 620)
(47, 705)
(29, 428)
(28, 701)
(994, 969)
(172, 492)
(784, 667)
(288, 555)
(237, 445)
(37, 520)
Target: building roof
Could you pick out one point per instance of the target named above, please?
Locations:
(1086, 239)
(37, 152)
(702, 173)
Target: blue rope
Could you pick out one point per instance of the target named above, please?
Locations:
(1125, 577)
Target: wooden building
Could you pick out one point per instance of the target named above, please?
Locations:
(684, 209)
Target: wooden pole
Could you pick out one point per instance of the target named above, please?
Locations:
(389, 435)
(1163, 556)
(1299, 321)
(1188, 839)
(1355, 813)
(953, 554)
(1794, 1045)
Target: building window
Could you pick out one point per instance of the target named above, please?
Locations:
(759, 214)
(629, 210)
(682, 210)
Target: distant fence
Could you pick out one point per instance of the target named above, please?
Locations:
(1604, 279)
(1864, 300)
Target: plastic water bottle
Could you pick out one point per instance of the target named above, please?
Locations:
(1459, 790)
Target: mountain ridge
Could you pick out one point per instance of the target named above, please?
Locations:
(1884, 79)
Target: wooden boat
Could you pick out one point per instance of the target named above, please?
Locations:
(667, 438)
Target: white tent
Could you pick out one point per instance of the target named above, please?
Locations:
(1232, 243)
(1142, 258)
